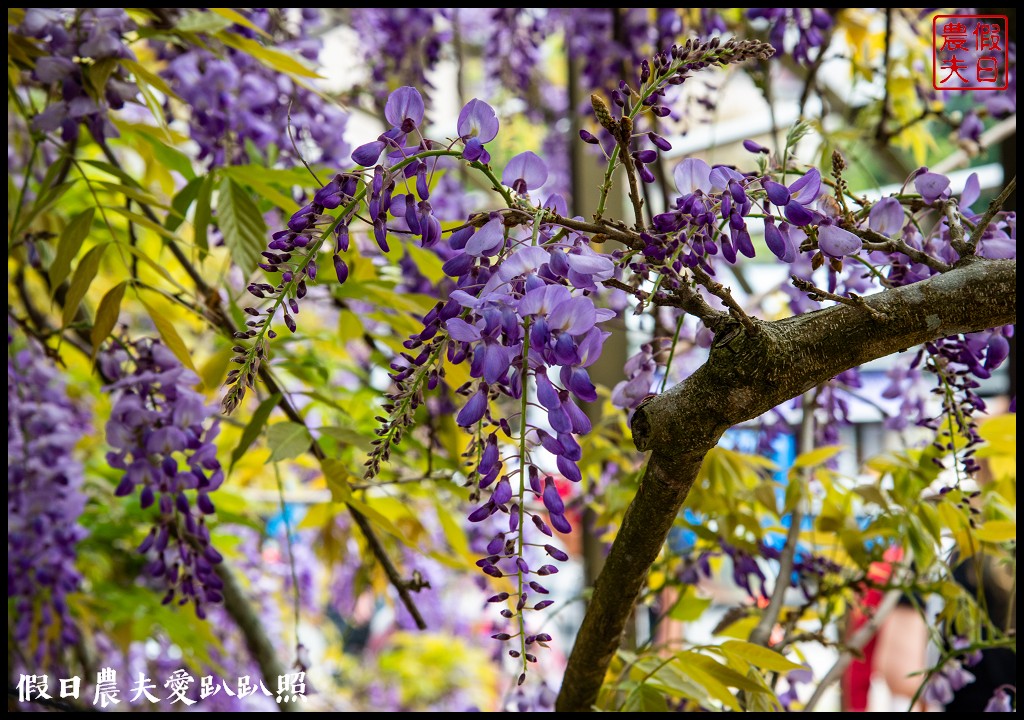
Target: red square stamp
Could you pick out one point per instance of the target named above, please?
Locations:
(970, 52)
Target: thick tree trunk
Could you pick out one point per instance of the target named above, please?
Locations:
(741, 381)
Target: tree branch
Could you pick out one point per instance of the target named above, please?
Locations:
(860, 638)
(758, 372)
(993, 207)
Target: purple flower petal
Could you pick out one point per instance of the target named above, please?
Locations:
(692, 175)
(886, 217)
(404, 108)
(807, 188)
(473, 410)
(478, 121)
(462, 331)
(488, 240)
(836, 242)
(932, 186)
(778, 194)
(526, 171)
(552, 500)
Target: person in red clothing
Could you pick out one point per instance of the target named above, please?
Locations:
(894, 654)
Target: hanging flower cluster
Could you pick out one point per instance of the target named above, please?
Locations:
(44, 503)
(162, 435)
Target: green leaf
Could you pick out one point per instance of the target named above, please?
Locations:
(246, 176)
(170, 336)
(274, 59)
(695, 666)
(115, 171)
(42, 204)
(134, 193)
(645, 698)
(344, 437)
(252, 430)
(816, 456)
(758, 656)
(689, 607)
(150, 78)
(201, 220)
(75, 233)
(287, 440)
(239, 19)
(181, 202)
(106, 316)
(144, 222)
(240, 221)
(170, 157)
(199, 21)
(85, 273)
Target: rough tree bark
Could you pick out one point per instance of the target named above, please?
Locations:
(741, 381)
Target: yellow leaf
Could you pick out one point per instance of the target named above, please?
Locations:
(997, 531)
(758, 656)
(170, 336)
(817, 456)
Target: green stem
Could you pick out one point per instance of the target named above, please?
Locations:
(672, 352)
(21, 195)
(522, 485)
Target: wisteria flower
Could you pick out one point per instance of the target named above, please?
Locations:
(477, 126)
(525, 172)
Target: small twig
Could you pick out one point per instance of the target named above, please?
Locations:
(725, 295)
(295, 147)
(877, 241)
(856, 643)
(630, 168)
(688, 299)
(641, 295)
(761, 634)
(880, 133)
(853, 300)
(993, 207)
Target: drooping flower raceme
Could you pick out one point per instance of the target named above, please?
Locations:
(236, 100)
(161, 431)
(44, 503)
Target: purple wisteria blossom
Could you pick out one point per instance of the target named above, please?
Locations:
(162, 432)
(44, 503)
(70, 42)
(478, 125)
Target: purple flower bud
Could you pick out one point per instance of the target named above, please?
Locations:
(367, 155)
(778, 243)
(755, 147)
(559, 523)
(502, 492)
(588, 137)
(552, 500)
(555, 553)
(341, 269)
